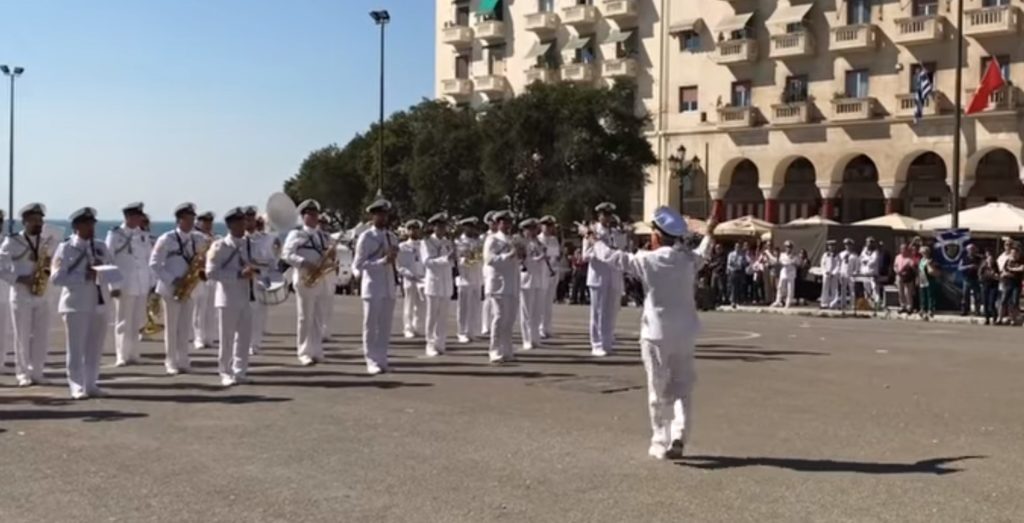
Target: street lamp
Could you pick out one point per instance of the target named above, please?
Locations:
(12, 73)
(685, 170)
(381, 18)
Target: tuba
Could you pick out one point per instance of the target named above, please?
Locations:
(195, 275)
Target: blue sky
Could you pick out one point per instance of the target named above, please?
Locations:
(211, 101)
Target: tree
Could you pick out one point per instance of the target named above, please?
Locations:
(330, 175)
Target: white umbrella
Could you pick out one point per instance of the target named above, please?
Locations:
(996, 217)
(813, 220)
(745, 226)
(896, 221)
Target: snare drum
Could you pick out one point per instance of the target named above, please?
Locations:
(272, 290)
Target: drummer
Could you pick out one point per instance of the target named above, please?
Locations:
(261, 247)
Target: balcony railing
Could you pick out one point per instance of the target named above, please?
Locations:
(919, 30)
(542, 75)
(619, 68)
(621, 11)
(578, 73)
(1005, 99)
(494, 84)
(992, 21)
(736, 52)
(457, 35)
(491, 31)
(852, 109)
(906, 105)
(736, 117)
(792, 45)
(457, 87)
(854, 38)
(792, 113)
(582, 17)
(543, 24)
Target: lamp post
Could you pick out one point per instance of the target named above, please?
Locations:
(683, 169)
(381, 18)
(12, 73)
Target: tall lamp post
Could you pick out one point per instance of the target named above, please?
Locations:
(381, 18)
(684, 170)
(12, 73)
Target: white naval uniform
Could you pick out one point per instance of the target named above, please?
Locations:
(485, 307)
(308, 244)
(849, 264)
(130, 249)
(668, 333)
(234, 298)
(436, 254)
(411, 268)
(6, 330)
(606, 286)
(378, 293)
(172, 256)
(204, 321)
(532, 293)
(829, 279)
(501, 286)
(553, 249)
(327, 311)
(469, 283)
(30, 314)
(85, 306)
(260, 253)
(869, 267)
(785, 291)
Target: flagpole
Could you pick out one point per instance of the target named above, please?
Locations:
(958, 116)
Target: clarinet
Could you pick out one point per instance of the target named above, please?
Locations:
(394, 269)
(99, 290)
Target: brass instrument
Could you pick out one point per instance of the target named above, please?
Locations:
(328, 264)
(41, 275)
(153, 312)
(192, 278)
(474, 255)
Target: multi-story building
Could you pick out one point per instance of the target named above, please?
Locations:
(792, 108)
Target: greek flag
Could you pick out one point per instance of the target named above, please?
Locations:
(924, 90)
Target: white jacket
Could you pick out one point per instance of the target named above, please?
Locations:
(70, 268)
(869, 263)
(304, 244)
(830, 264)
(378, 276)
(849, 264)
(410, 263)
(172, 255)
(471, 274)
(17, 260)
(788, 265)
(436, 254)
(535, 269)
(131, 249)
(501, 266)
(601, 273)
(224, 263)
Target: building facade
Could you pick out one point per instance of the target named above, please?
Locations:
(779, 109)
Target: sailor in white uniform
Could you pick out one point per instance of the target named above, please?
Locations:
(605, 283)
(438, 255)
(502, 262)
(178, 253)
(130, 248)
(204, 314)
(261, 249)
(868, 269)
(304, 248)
(410, 267)
(376, 251)
(469, 280)
(6, 329)
(230, 265)
(84, 302)
(485, 309)
(829, 275)
(533, 284)
(548, 237)
(788, 266)
(25, 261)
(331, 284)
(849, 265)
(669, 326)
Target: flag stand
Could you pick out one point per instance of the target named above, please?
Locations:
(958, 117)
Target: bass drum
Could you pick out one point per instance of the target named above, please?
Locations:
(272, 290)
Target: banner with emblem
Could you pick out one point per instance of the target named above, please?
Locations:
(950, 247)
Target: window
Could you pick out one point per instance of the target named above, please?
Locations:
(584, 2)
(857, 83)
(462, 13)
(858, 12)
(926, 7)
(462, 66)
(545, 6)
(585, 54)
(796, 89)
(551, 59)
(994, 3)
(496, 60)
(915, 74)
(740, 94)
(627, 48)
(795, 27)
(1004, 65)
(688, 99)
(689, 41)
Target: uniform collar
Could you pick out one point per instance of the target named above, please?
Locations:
(181, 232)
(78, 242)
(309, 229)
(129, 229)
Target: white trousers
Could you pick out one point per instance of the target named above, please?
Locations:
(548, 309)
(531, 306)
(204, 322)
(829, 289)
(437, 323)
(258, 325)
(129, 318)
(327, 311)
(377, 315)
(235, 331)
(503, 319)
(178, 316)
(31, 318)
(414, 310)
(486, 311)
(6, 334)
(469, 311)
(605, 302)
(845, 293)
(784, 293)
(671, 375)
(310, 302)
(871, 288)
(86, 332)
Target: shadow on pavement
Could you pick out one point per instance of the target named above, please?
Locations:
(935, 466)
(88, 416)
(762, 352)
(324, 384)
(164, 385)
(484, 373)
(235, 399)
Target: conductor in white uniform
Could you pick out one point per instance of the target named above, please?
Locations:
(130, 248)
(438, 255)
(230, 265)
(304, 248)
(605, 283)
(502, 259)
(376, 251)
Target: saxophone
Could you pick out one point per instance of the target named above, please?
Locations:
(328, 264)
(41, 271)
(153, 311)
(192, 278)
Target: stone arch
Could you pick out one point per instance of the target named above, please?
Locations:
(860, 196)
(798, 194)
(993, 175)
(925, 191)
(742, 195)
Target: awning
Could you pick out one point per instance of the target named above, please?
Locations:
(686, 26)
(734, 23)
(538, 49)
(488, 6)
(617, 37)
(578, 42)
(793, 14)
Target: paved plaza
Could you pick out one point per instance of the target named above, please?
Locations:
(797, 419)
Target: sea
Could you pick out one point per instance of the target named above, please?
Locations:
(157, 228)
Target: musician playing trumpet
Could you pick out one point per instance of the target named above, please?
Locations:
(376, 251)
(130, 247)
(502, 259)
(469, 280)
(533, 288)
(438, 255)
(260, 248)
(233, 269)
(306, 249)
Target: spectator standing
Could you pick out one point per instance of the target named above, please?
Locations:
(758, 269)
(869, 270)
(970, 286)
(719, 278)
(1001, 267)
(906, 278)
(737, 264)
(849, 264)
(928, 278)
(787, 263)
(1011, 276)
(988, 276)
(803, 292)
(829, 275)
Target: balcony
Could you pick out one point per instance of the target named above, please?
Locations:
(906, 105)
(732, 52)
(457, 35)
(792, 45)
(619, 68)
(853, 109)
(491, 31)
(992, 21)
(854, 38)
(457, 87)
(542, 75)
(1005, 99)
(919, 30)
(578, 73)
(795, 113)
(736, 117)
(580, 17)
(623, 12)
(491, 85)
(542, 24)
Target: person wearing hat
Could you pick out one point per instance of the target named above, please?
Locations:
(485, 308)
(849, 265)
(669, 325)
(376, 251)
(502, 260)
(533, 284)
(233, 269)
(84, 302)
(438, 255)
(829, 275)
(410, 267)
(548, 238)
(175, 254)
(868, 269)
(261, 248)
(304, 248)
(204, 314)
(469, 280)
(130, 248)
(25, 258)
(605, 282)
(6, 330)
(788, 264)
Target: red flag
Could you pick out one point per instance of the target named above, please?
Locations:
(990, 83)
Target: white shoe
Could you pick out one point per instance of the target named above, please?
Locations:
(25, 382)
(227, 381)
(253, 351)
(464, 339)
(78, 396)
(120, 363)
(657, 451)
(409, 335)
(373, 369)
(172, 371)
(527, 347)
(599, 353)
(432, 352)
(306, 361)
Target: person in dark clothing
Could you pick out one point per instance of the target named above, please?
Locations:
(988, 275)
(719, 282)
(737, 264)
(970, 286)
